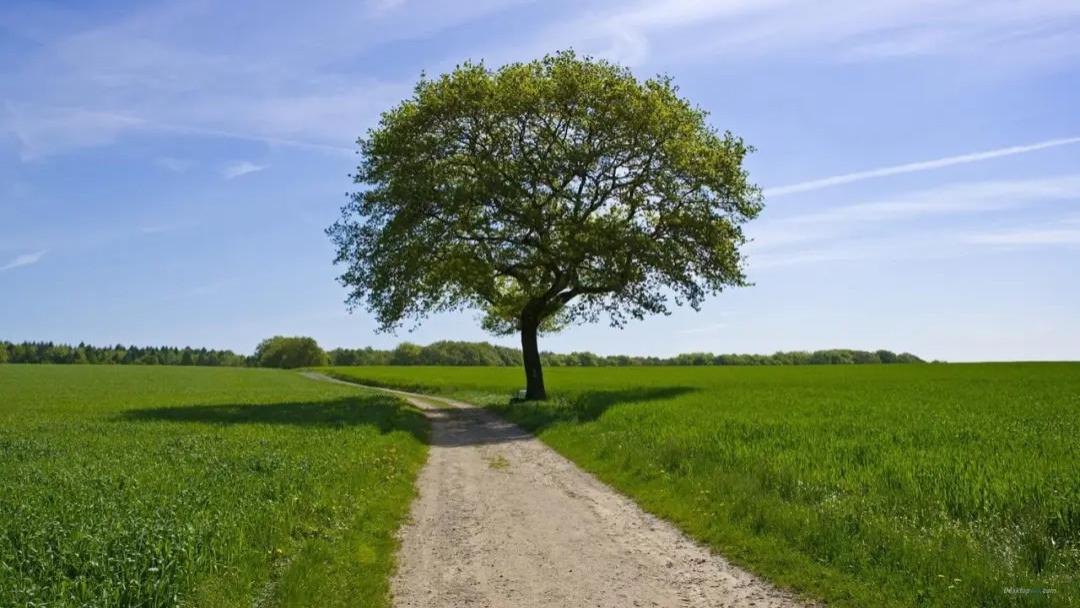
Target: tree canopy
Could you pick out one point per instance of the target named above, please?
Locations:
(290, 352)
(543, 193)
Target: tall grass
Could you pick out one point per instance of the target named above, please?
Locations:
(156, 486)
(950, 485)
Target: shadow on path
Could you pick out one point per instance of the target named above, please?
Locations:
(466, 426)
(458, 427)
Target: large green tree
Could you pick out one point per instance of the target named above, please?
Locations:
(543, 193)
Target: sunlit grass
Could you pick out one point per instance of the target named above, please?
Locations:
(907, 485)
(152, 486)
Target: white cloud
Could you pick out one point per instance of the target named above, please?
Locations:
(175, 165)
(1048, 236)
(828, 30)
(812, 256)
(165, 227)
(25, 259)
(385, 6)
(896, 246)
(41, 131)
(927, 165)
(963, 197)
(899, 227)
(46, 131)
(1064, 231)
(201, 69)
(253, 136)
(628, 30)
(240, 168)
(949, 199)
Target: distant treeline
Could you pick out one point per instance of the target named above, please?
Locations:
(482, 353)
(299, 352)
(835, 356)
(48, 352)
(444, 352)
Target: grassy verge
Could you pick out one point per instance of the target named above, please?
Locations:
(157, 486)
(921, 485)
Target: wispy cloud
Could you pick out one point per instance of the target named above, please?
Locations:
(963, 198)
(926, 165)
(221, 78)
(1048, 236)
(175, 165)
(40, 131)
(165, 227)
(25, 259)
(224, 78)
(901, 226)
(830, 30)
(899, 245)
(811, 256)
(240, 168)
(385, 6)
(1064, 231)
(45, 131)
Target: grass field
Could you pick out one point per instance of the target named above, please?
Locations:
(151, 486)
(906, 485)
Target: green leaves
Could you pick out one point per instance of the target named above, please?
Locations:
(290, 352)
(543, 193)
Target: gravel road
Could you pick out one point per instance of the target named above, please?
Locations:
(502, 520)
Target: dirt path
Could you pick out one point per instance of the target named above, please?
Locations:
(504, 521)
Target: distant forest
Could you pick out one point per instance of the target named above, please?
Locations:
(445, 352)
(48, 352)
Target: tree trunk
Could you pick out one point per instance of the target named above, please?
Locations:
(534, 373)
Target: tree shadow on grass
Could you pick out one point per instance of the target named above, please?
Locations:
(385, 413)
(583, 407)
(457, 427)
(463, 427)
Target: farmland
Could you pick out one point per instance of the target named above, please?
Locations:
(929, 485)
(162, 486)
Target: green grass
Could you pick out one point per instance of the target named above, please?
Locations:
(907, 485)
(157, 486)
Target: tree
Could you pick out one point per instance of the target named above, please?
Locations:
(543, 193)
(406, 353)
(863, 357)
(886, 356)
(290, 352)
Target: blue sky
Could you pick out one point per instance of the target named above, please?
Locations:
(167, 168)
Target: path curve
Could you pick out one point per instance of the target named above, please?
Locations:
(502, 520)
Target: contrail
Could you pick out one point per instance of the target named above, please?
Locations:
(926, 165)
